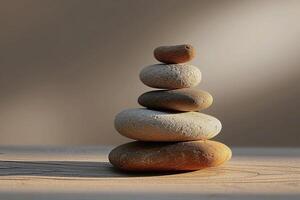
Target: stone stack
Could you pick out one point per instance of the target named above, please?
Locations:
(171, 133)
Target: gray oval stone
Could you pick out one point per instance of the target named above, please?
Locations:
(179, 100)
(150, 125)
(179, 156)
(170, 76)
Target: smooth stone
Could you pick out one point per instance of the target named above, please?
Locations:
(180, 156)
(179, 100)
(150, 125)
(170, 76)
(174, 54)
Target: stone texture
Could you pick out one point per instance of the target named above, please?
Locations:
(150, 125)
(178, 100)
(170, 76)
(174, 54)
(180, 156)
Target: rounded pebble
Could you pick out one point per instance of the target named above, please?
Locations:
(180, 156)
(150, 125)
(178, 100)
(170, 76)
(174, 54)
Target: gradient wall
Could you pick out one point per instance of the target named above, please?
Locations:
(68, 67)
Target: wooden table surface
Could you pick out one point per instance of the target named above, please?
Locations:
(84, 173)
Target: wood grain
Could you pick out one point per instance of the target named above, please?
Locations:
(84, 173)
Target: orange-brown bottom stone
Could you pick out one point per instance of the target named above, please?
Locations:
(175, 156)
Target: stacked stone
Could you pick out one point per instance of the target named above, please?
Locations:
(171, 133)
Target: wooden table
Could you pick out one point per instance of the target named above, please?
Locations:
(84, 173)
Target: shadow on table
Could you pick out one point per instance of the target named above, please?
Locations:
(67, 169)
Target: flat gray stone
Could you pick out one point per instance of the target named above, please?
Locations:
(149, 125)
(170, 76)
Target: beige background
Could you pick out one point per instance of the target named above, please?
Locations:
(68, 67)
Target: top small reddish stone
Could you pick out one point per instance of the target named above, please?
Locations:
(174, 54)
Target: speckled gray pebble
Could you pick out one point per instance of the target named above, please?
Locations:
(149, 125)
(170, 76)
